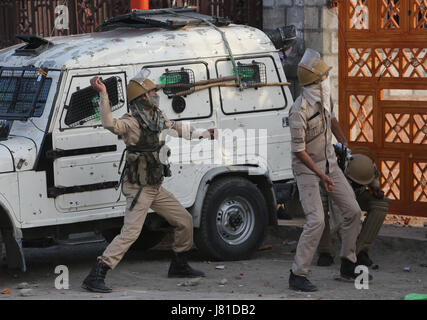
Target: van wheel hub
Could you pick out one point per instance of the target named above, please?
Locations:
(235, 220)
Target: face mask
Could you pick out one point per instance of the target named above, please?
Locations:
(154, 101)
(148, 102)
(325, 89)
(319, 93)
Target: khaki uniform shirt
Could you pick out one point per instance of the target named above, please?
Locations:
(127, 126)
(311, 131)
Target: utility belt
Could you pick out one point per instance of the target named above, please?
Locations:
(144, 167)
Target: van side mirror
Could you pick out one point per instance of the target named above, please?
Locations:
(5, 126)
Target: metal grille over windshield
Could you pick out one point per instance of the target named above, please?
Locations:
(23, 92)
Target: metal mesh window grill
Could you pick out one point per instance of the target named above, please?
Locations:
(176, 80)
(23, 93)
(254, 72)
(84, 103)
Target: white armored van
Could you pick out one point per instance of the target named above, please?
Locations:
(60, 168)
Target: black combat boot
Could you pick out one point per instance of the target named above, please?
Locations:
(283, 214)
(95, 280)
(347, 270)
(300, 283)
(363, 259)
(325, 260)
(179, 267)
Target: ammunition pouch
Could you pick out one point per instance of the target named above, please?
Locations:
(132, 167)
(154, 169)
(145, 168)
(164, 154)
(167, 170)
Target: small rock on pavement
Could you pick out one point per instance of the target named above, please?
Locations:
(6, 291)
(190, 283)
(26, 292)
(266, 247)
(23, 285)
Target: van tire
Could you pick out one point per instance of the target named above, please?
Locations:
(234, 220)
(147, 239)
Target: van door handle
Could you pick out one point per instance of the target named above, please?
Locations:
(285, 122)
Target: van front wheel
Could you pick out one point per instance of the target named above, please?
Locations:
(233, 220)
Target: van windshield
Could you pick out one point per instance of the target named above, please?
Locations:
(23, 92)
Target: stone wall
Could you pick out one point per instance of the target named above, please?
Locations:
(317, 28)
(329, 30)
(278, 13)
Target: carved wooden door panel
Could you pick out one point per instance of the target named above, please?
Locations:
(383, 93)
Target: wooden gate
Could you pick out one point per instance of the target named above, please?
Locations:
(383, 93)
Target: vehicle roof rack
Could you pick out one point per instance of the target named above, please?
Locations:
(33, 47)
(172, 18)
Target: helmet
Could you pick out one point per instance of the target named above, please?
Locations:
(311, 67)
(139, 85)
(360, 169)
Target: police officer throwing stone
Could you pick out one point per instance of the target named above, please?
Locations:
(312, 122)
(143, 178)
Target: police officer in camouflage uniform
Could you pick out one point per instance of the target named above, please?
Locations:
(363, 176)
(143, 176)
